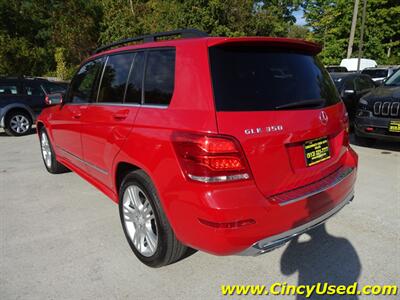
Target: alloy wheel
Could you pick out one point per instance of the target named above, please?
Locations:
(20, 124)
(46, 150)
(140, 221)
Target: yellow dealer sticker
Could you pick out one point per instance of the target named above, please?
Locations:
(394, 126)
(316, 151)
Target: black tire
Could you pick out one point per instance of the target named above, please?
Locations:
(168, 249)
(52, 166)
(10, 120)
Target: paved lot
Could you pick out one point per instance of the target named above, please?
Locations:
(61, 239)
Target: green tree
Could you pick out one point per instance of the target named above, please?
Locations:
(32, 30)
(331, 20)
(299, 32)
(217, 17)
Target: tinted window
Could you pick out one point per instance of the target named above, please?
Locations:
(8, 89)
(51, 87)
(349, 84)
(363, 83)
(32, 89)
(336, 69)
(113, 83)
(82, 87)
(341, 82)
(134, 89)
(394, 80)
(159, 77)
(376, 73)
(258, 78)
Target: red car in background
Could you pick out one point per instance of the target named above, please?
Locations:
(226, 145)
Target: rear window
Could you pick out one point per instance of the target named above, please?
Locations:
(51, 87)
(159, 77)
(33, 89)
(8, 89)
(376, 73)
(248, 78)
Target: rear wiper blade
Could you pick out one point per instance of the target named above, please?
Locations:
(302, 104)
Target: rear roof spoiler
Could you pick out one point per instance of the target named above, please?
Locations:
(295, 44)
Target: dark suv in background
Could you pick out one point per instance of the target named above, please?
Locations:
(378, 114)
(351, 87)
(21, 100)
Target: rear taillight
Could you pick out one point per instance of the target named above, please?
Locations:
(210, 158)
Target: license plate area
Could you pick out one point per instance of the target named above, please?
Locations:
(394, 126)
(316, 151)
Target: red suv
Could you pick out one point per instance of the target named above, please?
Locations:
(226, 145)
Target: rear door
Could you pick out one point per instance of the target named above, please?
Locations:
(34, 95)
(107, 122)
(280, 103)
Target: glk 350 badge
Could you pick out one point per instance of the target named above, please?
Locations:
(267, 129)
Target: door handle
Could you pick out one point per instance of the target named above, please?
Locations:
(121, 115)
(77, 116)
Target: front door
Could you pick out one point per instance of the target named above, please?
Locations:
(66, 120)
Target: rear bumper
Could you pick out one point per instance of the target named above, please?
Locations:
(275, 220)
(380, 128)
(276, 241)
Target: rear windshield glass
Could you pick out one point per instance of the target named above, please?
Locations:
(377, 73)
(248, 78)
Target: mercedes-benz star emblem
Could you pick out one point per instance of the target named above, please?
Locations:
(323, 117)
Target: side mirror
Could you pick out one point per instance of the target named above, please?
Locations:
(53, 99)
(349, 92)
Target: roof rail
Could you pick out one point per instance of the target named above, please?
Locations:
(184, 33)
(14, 77)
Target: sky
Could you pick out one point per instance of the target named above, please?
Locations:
(300, 17)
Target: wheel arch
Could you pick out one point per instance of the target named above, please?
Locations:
(15, 107)
(121, 170)
(39, 126)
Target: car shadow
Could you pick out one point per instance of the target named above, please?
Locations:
(322, 258)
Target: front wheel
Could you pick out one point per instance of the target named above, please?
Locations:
(49, 158)
(145, 225)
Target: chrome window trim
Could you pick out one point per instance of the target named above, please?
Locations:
(120, 104)
(158, 106)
